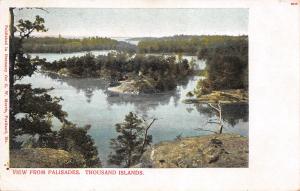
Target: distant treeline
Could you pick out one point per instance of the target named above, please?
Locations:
(226, 66)
(161, 72)
(64, 45)
(190, 44)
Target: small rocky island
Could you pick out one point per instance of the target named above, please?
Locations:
(133, 87)
(128, 74)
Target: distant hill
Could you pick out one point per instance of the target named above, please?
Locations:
(64, 45)
(184, 43)
(174, 37)
(142, 38)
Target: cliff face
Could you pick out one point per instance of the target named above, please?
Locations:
(45, 158)
(225, 150)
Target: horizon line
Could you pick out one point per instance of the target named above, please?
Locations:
(105, 36)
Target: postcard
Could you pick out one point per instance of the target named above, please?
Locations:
(149, 95)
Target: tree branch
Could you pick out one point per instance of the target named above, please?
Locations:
(146, 134)
(219, 112)
(42, 9)
(215, 108)
(36, 8)
(216, 122)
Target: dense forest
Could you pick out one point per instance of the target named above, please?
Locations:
(160, 72)
(189, 44)
(226, 58)
(226, 65)
(63, 45)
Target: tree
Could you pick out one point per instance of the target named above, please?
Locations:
(17, 59)
(131, 141)
(219, 121)
(32, 112)
(226, 65)
(75, 139)
(32, 109)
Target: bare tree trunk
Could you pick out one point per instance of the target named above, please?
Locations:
(129, 160)
(145, 135)
(218, 109)
(12, 59)
(12, 51)
(220, 118)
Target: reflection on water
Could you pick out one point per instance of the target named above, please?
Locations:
(86, 102)
(146, 102)
(88, 86)
(141, 103)
(231, 113)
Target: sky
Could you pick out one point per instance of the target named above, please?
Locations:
(78, 22)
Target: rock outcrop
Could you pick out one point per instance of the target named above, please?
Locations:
(45, 158)
(224, 150)
(132, 87)
(225, 97)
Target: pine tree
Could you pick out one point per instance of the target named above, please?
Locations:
(131, 141)
(32, 109)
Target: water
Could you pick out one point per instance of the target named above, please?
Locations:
(199, 64)
(55, 56)
(126, 39)
(86, 102)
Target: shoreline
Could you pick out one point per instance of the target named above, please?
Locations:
(232, 96)
(126, 87)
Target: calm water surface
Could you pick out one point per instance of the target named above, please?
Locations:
(86, 102)
(55, 56)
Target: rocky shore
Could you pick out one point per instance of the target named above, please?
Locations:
(219, 150)
(224, 97)
(133, 87)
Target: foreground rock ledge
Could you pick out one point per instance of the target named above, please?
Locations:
(45, 158)
(225, 150)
